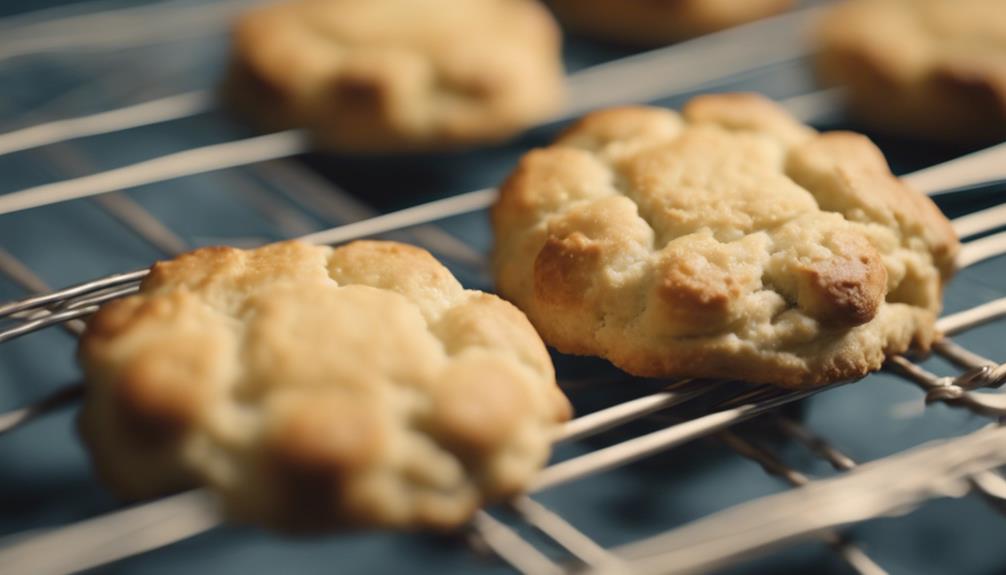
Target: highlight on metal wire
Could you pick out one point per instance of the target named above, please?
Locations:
(858, 492)
(98, 541)
(627, 80)
(187, 519)
(70, 302)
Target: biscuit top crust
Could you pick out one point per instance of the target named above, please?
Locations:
(726, 241)
(947, 58)
(390, 75)
(314, 387)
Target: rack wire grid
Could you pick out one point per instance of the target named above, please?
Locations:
(105, 96)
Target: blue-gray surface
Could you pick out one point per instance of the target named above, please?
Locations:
(45, 478)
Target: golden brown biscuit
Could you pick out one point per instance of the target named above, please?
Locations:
(658, 22)
(397, 75)
(315, 387)
(729, 241)
(931, 69)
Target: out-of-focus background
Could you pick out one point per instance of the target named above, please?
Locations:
(179, 46)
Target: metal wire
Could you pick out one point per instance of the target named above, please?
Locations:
(772, 464)
(966, 462)
(129, 542)
(626, 80)
(973, 252)
(892, 484)
(982, 167)
(136, 115)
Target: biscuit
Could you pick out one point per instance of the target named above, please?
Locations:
(317, 388)
(928, 69)
(729, 241)
(397, 75)
(658, 22)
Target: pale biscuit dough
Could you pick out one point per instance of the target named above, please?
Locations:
(931, 69)
(729, 241)
(657, 22)
(315, 387)
(397, 75)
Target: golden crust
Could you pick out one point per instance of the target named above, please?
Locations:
(315, 387)
(657, 22)
(730, 241)
(932, 69)
(397, 75)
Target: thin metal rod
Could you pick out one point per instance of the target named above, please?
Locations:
(116, 28)
(959, 390)
(852, 554)
(481, 199)
(925, 379)
(142, 223)
(69, 316)
(425, 213)
(810, 108)
(815, 443)
(23, 276)
(95, 542)
(11, 420)
(982, 249)
(578, 428)
(627, 79)
(313, 191)
(147, 113)
(325, 199)
(993, 486)
(179, 164)
(185, 163)
(45, 321)
(639, 447)
(969, 318)
(512, 548)
(767, 460)
(292, 142)
(102, 297)
(601, 460)
(980, 222)
(286, 218)
(695, 62)
(982, 167)
(20, 273)
(421, 214)
(593, 423)
(895, 483)
(135, 217)
(72, 291)
(959, 355)
(562, 532)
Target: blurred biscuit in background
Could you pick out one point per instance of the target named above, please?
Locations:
(929, 69)
(658, 22)
(397, 75)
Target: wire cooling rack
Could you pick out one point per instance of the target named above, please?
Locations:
(110, 96)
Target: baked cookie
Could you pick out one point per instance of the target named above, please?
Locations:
(729, 241)
(315, 387)
(397, 75)
(658, 22)
(930, 69)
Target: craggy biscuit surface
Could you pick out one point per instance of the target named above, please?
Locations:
(657, 22)
(316, 387)
(397, 75)
(934, 69)
(729, 241)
